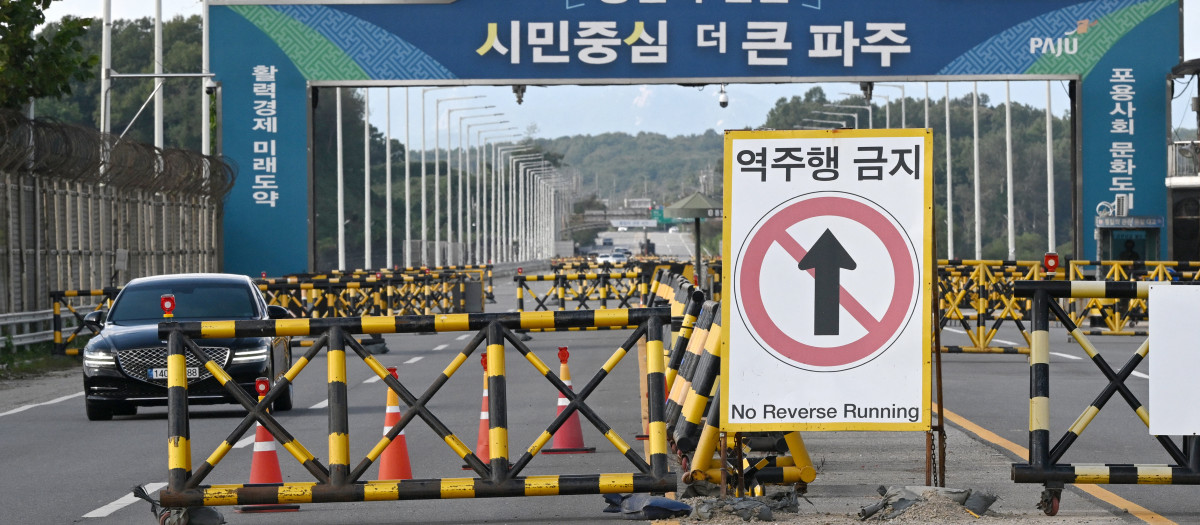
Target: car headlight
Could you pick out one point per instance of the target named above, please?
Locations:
(99, 358)
(252, 354)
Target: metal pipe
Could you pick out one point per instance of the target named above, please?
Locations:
(1012, 240)
(949, 184)
(975, 146)
(341, 192)
(1050, 218)
(903, 97)
(367, 179)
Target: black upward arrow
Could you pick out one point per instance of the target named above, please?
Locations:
(828, 257)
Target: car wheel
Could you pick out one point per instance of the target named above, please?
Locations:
(97, 411)
(284, 403)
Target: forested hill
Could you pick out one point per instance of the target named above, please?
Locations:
(650, 165)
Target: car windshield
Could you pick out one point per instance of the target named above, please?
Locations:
(193, 300)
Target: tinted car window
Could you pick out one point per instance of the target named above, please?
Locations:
(193, 301)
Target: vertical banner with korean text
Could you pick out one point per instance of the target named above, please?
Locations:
(829, 268)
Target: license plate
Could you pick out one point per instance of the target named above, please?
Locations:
(161, 373)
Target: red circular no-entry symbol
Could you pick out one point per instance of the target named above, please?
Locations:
(880, 331)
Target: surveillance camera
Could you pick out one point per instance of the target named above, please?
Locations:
(210, 87)
(723, 99)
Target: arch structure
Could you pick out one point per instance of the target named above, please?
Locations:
(267, 56)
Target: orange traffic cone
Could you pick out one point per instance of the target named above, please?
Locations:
(569, 438)
(482, 443)
(393, 462)
(264, 463)
(482, 446)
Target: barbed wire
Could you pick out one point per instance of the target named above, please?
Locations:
(52, 149)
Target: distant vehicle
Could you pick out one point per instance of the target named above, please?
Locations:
(125, 365)
(612, 258)
(673, 229)
(624, 251)
(622, 229)
(608, 241)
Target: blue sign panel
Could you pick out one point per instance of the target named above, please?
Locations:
(666, 41)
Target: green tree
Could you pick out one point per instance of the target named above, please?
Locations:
(43, 65)
(133, 52)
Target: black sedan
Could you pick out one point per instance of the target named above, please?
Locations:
(125, 366)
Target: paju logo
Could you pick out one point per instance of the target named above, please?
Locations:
(1063, 45)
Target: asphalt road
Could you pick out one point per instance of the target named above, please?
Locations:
(666, 244)
(61, 468)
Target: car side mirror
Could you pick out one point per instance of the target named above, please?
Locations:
(95, 320)
(275, 311)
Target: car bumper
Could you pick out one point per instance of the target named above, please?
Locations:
(109, 385)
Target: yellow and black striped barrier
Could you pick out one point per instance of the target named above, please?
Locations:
(62, 298)
(1043, 465)
(338, 482)
(974, 293)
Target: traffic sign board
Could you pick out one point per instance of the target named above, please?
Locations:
(829, 241)
(825, 262)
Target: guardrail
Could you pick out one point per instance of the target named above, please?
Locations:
(1043, 465)
(338, 482)
(26, 329)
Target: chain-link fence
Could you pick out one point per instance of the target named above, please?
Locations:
(84, 210)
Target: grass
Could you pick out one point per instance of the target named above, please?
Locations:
(32, 361)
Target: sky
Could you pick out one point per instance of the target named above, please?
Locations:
(667, 109)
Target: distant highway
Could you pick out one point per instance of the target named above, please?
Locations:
(665, 244)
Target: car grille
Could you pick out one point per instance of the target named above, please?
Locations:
(137, 362)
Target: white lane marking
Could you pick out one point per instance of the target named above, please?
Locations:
(125, 501)
(439, 347)
(1001, 341)
(245, 442)
(1068, 356)
(34, 405)
(322, 404)
(1141, 375)
(373, 379)
(413, 360)
(461, 337)
(511, 310)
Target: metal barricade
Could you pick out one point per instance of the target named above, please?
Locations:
(338, 482)
(1043, 465)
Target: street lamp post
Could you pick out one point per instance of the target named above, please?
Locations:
(473, 218)
(855, 115)
(868, 107)
(464, 162)
(516, 170)
(887, 110)
(506, 191)
(449, 193)
(424, 212)
(524, 194)
(841, 123)
(437, 177)
(535, 230)
(489, 221)
(903, 97)
(461, 177)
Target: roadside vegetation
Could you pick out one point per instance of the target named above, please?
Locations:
(31, 361)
